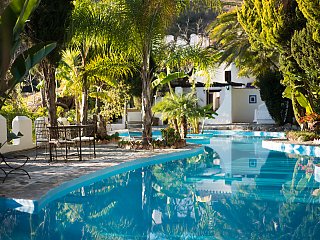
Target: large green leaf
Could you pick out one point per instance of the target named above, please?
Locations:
(289, 92)
(302, 184)
(100, 95)
(303, 102)
(27, 8)
(28, 59)
(162, 79)
(12, 23)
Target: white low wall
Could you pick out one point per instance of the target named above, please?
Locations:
(20, 124)
(134, 115)
(115, 126)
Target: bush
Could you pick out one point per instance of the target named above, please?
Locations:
(169, 136)
(302, 136)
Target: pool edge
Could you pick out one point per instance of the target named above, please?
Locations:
(34, 205)
(292, 148)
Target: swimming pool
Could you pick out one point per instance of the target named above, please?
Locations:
(233, 189)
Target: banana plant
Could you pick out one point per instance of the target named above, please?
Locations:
(163, 78)
(298, 100)
(14, 62)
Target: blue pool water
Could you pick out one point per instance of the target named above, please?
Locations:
(234, 189)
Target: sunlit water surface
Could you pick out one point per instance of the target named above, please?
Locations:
(235, 189)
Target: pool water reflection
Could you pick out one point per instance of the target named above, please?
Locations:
(234, 190)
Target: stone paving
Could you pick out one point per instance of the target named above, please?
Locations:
(46, 175)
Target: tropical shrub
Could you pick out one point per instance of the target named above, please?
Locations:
(170, 136)
(302, 136)
(181, 110)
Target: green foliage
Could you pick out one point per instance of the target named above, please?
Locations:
(13, 60)
(49, 23)
(184, 59)
(10, 111)
(288, 30)
(302, 136)
(271, 93)
(170, 136)
(60, 111)
(71, 116)
(165, 79)
(311, 12)
(232, 45)
(148, 22)
(41, 112)
(181, 110)
(306, 52)
(114, 136)
(113, 99)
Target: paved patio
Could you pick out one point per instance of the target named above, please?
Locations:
(45, 175)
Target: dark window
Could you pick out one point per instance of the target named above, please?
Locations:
(209, 98)
(227, 76)
(252, 98)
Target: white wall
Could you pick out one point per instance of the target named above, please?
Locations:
(218, 74)
(242, 110)
(202, 96)
(20, 124)
(134, 115)
(234, 75)
(262, 115)
(225, 110)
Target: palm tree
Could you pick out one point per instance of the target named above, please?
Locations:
(48, 23)
(93, 33)
(180, 109)
(148, 22)
(233, 45)
(68, 73)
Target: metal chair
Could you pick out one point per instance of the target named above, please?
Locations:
(87, 135)
(61, 137)
(13, 164)
(41, 134)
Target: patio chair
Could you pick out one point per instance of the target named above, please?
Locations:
(41, 134)
(87, 135)
(61, 137)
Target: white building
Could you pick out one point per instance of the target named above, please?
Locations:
(233, 97)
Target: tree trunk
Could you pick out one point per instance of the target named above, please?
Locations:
(175, 125)
(84, 101)
(43, 97)
(50, 89)
(146, 96)
(184, 127)
(101, 123)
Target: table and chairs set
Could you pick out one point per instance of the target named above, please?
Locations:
(59, 142)
(70, 140)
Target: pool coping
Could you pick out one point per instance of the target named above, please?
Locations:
(284, 145)
(33, 206)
